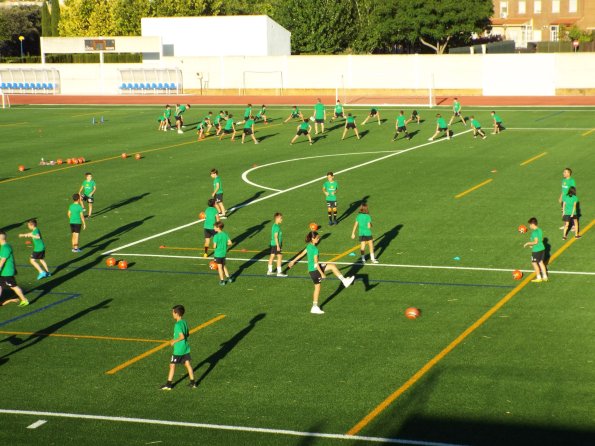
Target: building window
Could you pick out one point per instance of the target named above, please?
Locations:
(554, 31)
(537, 7)
(522, 7)
(555, 6)
(572, 5)
(503, 10)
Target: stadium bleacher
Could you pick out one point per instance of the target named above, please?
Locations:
(30, 81)
(151, 81)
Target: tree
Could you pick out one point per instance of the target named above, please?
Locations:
(46, 21)
(75, 17)
(178, 8)
(101, 20)
(19, 21)
(55, 18)
(127, 16)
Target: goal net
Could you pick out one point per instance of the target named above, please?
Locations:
(262, 82)
(5, 100)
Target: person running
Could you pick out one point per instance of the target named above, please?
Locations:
(350, 124)
(456, 112)
(181, 349)
(217, 122)
(247, 114)
(201, 129)
(180, 110)
(218, 193)
(414, 117)
(76, 218)
(211, 217)
(167, 116)
(230, 128)
(8, 271)
(401, 126)
(441, 126)
(476, 126)
(319, 116)
(303, 129)
(338, 111)
(318, 270)
(498, 125)
(221, 242)
(329, 189)
(537, 251)
(363, 223)
(570, 212)
(295, 114)
(209, 122)
(262, 114)
(249, 130)
(87, 192)
(276, 246)
(374, 113)
(38, 254)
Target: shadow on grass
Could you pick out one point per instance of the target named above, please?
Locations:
(12, 226)
(249, 233)
(120, 204)
(262, 138)
(252, 260)
(384, 241)
(236, 207)
(353, 206)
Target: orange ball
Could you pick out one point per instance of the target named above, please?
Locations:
(522, 229)
(124, 156)
(59, 161)
(313, 226)
(122, 264)
(75, 161)
(412, 313)
(110, 261)
(137, 156)
(517, 275)
(21, 168)
(212, 264)
(69, 161)
(202, 216)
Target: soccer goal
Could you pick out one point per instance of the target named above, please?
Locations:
(5, 100)
(259, 82)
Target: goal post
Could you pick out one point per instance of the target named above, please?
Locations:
(5, 100)
(258, 82)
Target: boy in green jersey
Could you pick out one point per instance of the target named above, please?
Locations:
(209, 122)
(319, 116)
(338, 112)
(229, 128)
(329, 189)
(441, 126)
(570, 212)
(374, 113)
(38, 250)
(567, 183)
(276, 246)
(247, 114)
(87, 192)
(181, 351)
(537, 251)
(303, 129)
(162, 124)
(249, 129)
(456, 112)
(76, 219)
(8, 271)
(262, 114)
(221, 242)
(167, 116)
(401, 126)
(180, 110)
(201, 129)
(318, 270)
(295, 114)
(218, 192)
(363, 221)
(217, 122)
(414, 117)
(350, 124)
(498, 125)
(476, 126)
(211, 217)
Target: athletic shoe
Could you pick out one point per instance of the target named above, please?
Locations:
(362, 261)
(78, 250)
(375, 261)
(270, 273)
(48, 274)
(40, 276)
(23, 303)
(229, 280)
(430, 139)
(564, 238)
(281, 275)
(256, 142)
(192, 385)
(394, 139)
(335, 222)
(545, 279)
(222, 282)
(316, 310)
(181, 133)
(537, 280)
(166, 387)
(577, 236)
(561, 227)
(484, 137)
(330, 223)
(348, 281)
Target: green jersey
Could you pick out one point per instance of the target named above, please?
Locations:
(569, 203)
(218, 119)
(181, 110)
(262, 111)
(295, 112)
(497, 118)
(217, 181)
(181, 347)
(247, 112)
(276, 230)
(249, 123)
(319, 111)
(220, 239)
(363, 220)
(350, 120)
(167, 113)
(210, 217)
(475, 123)
(441, 123)
(311, 251)
(400, 121)
(8, 269)
(304, 126)
(331, 188)
(88, 187)
(75, 214)
(567, 183)
(537, 234)
(229, 124)
(201, 125)
(38, 244)
(338, 109)
(456, 106)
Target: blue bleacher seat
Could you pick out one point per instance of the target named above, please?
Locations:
(172, 86)
(27, 86)
(38, 86)
(9, 85)
(19, 86)
(44, 86)
(160, 86)
(50, 86)
(154, 87)
(136, 86)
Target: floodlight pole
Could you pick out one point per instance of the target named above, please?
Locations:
(21, 38)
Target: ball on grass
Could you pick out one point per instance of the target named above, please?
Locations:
(212, 265)
(202, 216)
(59, 161)
(110, 261)
(522, 229)
(517, 275)
(137, 156)
(122, 264)
(124, 155)
(412, 313)
(21, 168)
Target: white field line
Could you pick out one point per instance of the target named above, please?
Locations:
(377, 265)
(573, 129)
(223, 427)
(307, 183)
(37, 424)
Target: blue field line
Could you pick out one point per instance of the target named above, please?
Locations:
(550, 115)
(69, 296)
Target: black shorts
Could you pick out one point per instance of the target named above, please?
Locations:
(180, 359)
(319, 121)
(457, 114)
(179, 118)
(7, 282)
(227, 131)
(538, 256)
(247, 131)
(499, 125)
(315, 275)
(220, 260)
(331, 204)
(209, 233)
(401, 129)
(414, 114)
(274, 250)
(75, 228)
(443, 129)
(373, 112)
(569, 217)
(295, 115)
(365, 238)
(87, 198)
(477, 129)
(219, 198)
(168, 121)
(302, 132)
(339, 115)
(38, 255)
(350, 126)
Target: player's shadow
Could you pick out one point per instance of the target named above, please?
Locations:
(363, 134)
(316, 138)
(548, 251)
(44, 333)
(383, 242)
(121, 203)
(334, 127)
(236, 207)
(249, 233)
(226, 348)
(353, 206)
(413, 133)
(262, 138)
(12, 226)
(249, 262)
(355, 271)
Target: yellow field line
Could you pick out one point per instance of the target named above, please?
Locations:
(589, 132)
(13, 124)
(468, 191)
(432, 362)
(530, 160)
(160, 347)
(245, 250)
(59, 335)
(343, 254)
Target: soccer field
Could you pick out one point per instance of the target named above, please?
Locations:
(490, 361)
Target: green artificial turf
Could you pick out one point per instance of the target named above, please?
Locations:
(525, 376)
